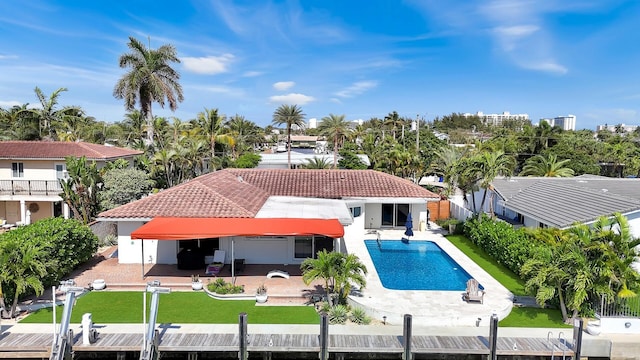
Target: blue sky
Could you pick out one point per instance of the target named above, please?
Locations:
(361, 58)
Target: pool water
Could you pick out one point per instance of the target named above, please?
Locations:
(416, 265)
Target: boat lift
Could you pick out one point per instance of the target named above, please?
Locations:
(150, 347)
(63, 340)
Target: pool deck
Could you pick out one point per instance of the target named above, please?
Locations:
(429, 308)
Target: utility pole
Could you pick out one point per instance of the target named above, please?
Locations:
(418, 133)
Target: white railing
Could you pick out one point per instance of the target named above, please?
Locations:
(30, 187)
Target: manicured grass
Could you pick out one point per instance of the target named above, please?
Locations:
(177, 307)
(505, 276)
(534, 317)
(519, 316)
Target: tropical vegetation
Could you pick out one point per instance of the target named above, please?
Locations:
(40, 255)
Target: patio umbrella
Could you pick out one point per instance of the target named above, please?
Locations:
(409, 226)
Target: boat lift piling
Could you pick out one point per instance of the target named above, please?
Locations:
(61, 349)
(150, 347)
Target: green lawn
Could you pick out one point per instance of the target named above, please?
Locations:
(177, 307)
(519, 316)
(505, 276)
(533, 317)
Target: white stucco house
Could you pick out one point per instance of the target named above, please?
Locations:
(30, 173)
(264, 216)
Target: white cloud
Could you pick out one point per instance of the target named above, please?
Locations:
(210, 65)
(516, 31)
(5, 57)
(283, 85)
(291, 99)
(252, 73)
(356, 89)
(335, 100)
(550, 67)
(9, 104)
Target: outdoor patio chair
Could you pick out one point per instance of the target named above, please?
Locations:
(473, 292)
(218, 263)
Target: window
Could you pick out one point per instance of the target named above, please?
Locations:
(356, 211)
(17, 169)
(61, 171)
(303, 247)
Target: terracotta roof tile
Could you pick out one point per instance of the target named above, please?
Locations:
(58, 150)
(242, 192)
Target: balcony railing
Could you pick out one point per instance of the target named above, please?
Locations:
(30, 187)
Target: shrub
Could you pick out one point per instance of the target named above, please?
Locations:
(69, 243)
(219, 286)
(338, 314)
(359, 316)
(508, 246)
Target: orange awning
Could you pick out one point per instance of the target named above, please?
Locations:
(176, 228)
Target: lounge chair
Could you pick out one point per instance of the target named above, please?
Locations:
(473, 292)
(218, 263)
(278, 273)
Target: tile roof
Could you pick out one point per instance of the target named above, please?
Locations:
(58, 150)
(562, 202)
(242, 192)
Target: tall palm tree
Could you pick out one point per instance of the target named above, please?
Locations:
(212, 125)
(150, 78)
(445, 165)
(49, 116)
(336, 128)
(490, 165)
(289, 115)
(548, 166)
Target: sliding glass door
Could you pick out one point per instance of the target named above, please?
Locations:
(394, 215)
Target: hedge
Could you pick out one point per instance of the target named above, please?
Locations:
(508, 246)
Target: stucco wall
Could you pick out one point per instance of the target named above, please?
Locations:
(129, 251)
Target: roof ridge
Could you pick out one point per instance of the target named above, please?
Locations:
(226, 198)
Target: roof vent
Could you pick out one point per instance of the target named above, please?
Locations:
(240, 179)
(605, 190)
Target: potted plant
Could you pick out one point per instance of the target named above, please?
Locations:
(196, 284)
(261, 294)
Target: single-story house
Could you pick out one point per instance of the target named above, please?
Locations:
(265, 216)
(562, 202)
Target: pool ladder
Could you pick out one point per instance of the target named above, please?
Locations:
(378, 240)
(552, 345)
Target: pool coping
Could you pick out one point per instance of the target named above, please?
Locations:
(428, 308)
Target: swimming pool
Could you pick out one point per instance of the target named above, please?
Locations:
(416, 265)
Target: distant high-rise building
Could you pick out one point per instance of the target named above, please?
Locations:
(497, 119)
(313, 123)
(567, 122)
(618, 128)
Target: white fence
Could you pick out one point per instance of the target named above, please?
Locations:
(459, 212)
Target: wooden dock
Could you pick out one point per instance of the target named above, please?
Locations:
(28, 346)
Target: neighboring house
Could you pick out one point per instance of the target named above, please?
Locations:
(264, 216)
(30, 172)
(562, 202)
(299, 159)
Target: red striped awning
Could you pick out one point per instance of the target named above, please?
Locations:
(180, 228)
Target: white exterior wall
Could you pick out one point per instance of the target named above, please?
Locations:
(129, 251)
(262, 250)
(634, 224)
(373, 216)
(618, 325)
(530, 223)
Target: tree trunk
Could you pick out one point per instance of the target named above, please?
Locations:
(484, 198)
(150, 134)
(335, 152)
(563, 306)
(289, 146)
